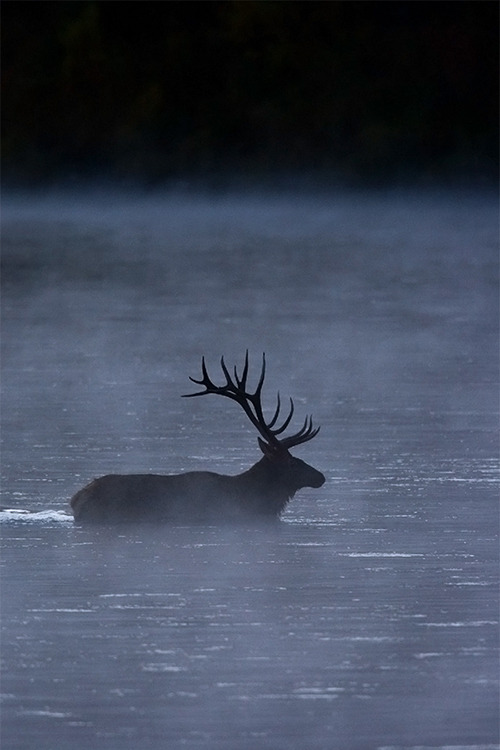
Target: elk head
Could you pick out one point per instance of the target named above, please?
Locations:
(289, 472)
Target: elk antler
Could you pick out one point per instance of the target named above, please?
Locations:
(252, 405)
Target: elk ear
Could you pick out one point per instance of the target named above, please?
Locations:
(266, 449)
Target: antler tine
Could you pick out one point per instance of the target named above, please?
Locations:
(306, 433)
(242, 382)
(276, 413)
(309, 431)
(210, 385)
(229, 382)
(287, 421)
(303, 430)
(258, 419)
(261, 379)
(205, 380)
(206, 377)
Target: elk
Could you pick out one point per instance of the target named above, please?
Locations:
(261, 492)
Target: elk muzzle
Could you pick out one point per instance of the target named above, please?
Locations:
(316, 479)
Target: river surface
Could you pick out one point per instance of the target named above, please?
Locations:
(367, 619)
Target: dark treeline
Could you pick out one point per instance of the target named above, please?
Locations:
(153, 90)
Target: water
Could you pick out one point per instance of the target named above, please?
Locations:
(368, 618)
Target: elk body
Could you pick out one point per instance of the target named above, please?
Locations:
(206, 497)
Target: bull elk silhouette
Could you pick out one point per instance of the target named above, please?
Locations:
(204, 496)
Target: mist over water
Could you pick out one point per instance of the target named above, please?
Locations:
(368, 618)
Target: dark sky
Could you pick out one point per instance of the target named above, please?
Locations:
(154, 90)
